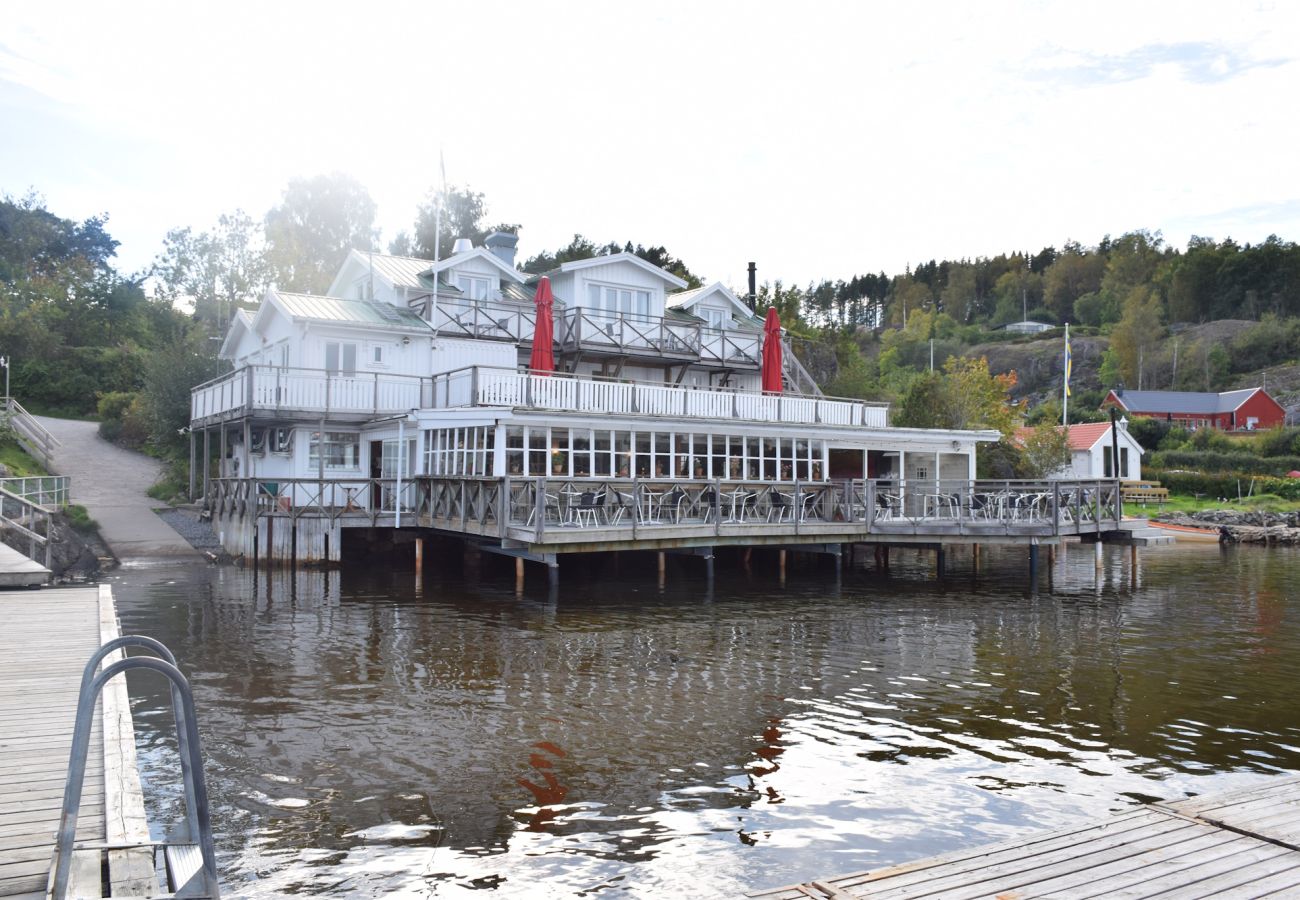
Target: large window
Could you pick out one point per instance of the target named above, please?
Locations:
(475, 287)
(342, 450)
(601, 453)
(625, 301)
(460, 451)
(714, 318)
(340, 358)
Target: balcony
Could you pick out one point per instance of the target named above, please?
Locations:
(481, 386)
(600, 333)
(274, 392)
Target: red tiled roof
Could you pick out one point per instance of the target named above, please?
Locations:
(1082, 437)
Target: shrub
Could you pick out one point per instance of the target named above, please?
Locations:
(79, 519)
(1224, 484)
(1215, 461)
(121, 418)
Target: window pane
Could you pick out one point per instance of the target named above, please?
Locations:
(349, 359)
(332, 357)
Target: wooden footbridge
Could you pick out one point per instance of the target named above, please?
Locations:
(1243, 843)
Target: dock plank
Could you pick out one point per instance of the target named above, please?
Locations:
(1243, 843)
(48, 636)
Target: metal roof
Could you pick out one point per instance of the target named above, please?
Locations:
(353, 312)
(404, 271)
(1188, 402)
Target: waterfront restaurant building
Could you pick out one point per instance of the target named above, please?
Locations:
(411, 371)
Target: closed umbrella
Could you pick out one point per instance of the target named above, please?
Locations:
(772, 353)
(543, 359)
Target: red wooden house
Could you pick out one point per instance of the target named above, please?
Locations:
(1244, 410)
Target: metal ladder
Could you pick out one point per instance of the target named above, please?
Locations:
(189, 852)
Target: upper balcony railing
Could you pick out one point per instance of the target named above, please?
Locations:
(483, 386)
(273, 389)
(594, 330)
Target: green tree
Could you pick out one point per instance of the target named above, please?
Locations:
(1045, 451)
(1134, 341)
(1074, 273)
(217, 270)
(464, 214)
(310, 232)
(964, 395)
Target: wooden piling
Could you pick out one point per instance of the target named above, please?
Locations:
(419, 557)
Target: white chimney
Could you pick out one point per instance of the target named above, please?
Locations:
(462, 245)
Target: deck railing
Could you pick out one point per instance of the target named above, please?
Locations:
(627, 334)
(26, 525)
(614, 509)
(46, 491)
(485, 386)
(279, 388)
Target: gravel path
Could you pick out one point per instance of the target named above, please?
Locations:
(111, 483)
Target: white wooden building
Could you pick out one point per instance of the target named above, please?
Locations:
(410, 369)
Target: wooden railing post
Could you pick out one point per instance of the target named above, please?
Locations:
(473, 386)
(539, 508)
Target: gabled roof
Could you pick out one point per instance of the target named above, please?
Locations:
(415, 273)
(337, 311)
(1194, 402)
(577, 264)
(1083, 436)
(687, 299)
(241, 323)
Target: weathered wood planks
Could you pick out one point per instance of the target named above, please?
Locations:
(47, 638)
(1244, 843)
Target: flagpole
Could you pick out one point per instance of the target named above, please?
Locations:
(1065, 382)
(437, 246)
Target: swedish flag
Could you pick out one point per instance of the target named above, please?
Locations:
(1068, 362)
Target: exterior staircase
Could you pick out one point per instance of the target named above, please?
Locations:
(797, 379)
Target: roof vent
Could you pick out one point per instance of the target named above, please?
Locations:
(503, 245)
(462, 245)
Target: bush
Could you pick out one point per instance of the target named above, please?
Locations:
(122, 419)
(1216, 461)
(79, 519)
(1224, 484)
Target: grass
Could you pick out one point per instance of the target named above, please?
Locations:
(1185, 503)
(79, 519)
(16, 459)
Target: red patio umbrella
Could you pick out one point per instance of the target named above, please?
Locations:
(543, 358)
(772, 353)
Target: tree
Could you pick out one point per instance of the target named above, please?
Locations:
(1074, 273)
(1137, 335)
(1045, 451)
(217, 270)
(463, 213)
(964, 395)
(318, 220)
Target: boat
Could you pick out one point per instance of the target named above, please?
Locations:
(1191, 533)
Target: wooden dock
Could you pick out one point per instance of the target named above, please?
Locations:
(17, 570)
(45, 641)
(1243, 843)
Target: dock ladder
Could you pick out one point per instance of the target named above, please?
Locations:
(189, 854)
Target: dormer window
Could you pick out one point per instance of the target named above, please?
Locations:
(474, 287)
(618, 300)
(714, 318)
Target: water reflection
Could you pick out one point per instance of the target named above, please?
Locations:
(365, 740)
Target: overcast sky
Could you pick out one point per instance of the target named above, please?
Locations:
(818, 139)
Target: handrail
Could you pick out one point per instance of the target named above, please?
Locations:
(192, 767)
(28, 531)
(50, 491)
(15, 408)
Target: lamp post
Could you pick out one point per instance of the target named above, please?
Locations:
(4, 361)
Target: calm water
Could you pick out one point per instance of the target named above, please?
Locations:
(364, 738)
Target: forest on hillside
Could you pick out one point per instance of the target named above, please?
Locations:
(86, 339)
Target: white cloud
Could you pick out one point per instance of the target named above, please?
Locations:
(821, 140)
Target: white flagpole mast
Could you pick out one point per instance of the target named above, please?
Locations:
(437, 245)
(1065, 383)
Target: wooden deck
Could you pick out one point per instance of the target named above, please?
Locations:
(19, 571)
(1244, 843)
(45, 641)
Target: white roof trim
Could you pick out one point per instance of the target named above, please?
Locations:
(623, 257)
(477, 253)
(716, 288)
(243, 319)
